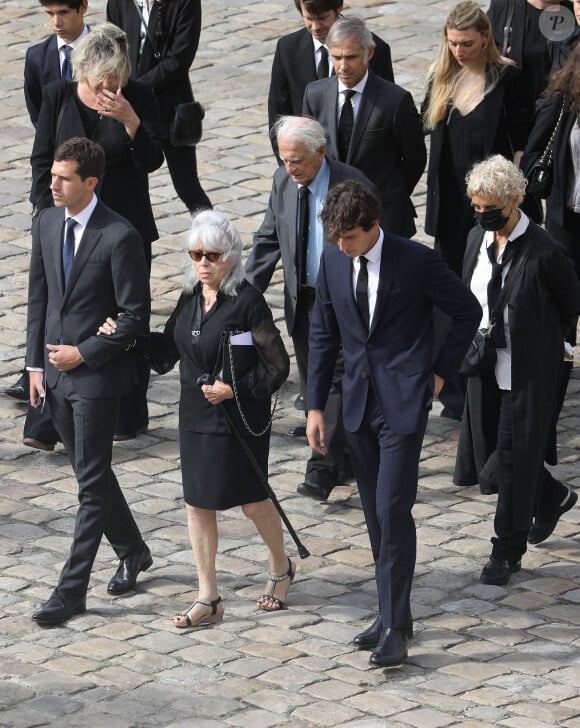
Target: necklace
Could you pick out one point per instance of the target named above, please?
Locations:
(209, 299)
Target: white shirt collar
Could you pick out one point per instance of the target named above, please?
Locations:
(60, 42)
(360, 86)
(84, 215)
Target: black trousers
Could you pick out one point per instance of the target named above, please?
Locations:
(86, 427)
(386, 465)
(320, 469)
(511, 543)
(182, 164)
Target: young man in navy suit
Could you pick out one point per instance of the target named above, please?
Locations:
(87, 263)
(47, 61)
(375, 297)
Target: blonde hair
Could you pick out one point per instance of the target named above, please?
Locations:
(103, 53)
(445, 72)
(497, 177)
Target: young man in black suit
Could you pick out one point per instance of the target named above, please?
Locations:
(87, 263)
(48, 61)
(375, 297)
(370, 123)
(302, 57)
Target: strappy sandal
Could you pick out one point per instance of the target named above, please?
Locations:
(214, 617)
(274, 603)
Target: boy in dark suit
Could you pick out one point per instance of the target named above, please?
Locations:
(375, 297)
(87, 263)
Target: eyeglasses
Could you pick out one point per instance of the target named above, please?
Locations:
(212, 257)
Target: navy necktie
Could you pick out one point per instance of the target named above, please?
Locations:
(303, 231)
(345, 125)
(68, 250)
(362, 290)
(323, 63)
(66, 71)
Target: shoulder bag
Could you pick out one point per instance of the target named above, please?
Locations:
(540, 176)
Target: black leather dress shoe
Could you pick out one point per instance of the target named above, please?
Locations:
(129, 568)
(38, 444)
(369, 637)
(313, 490)
(542, 529)
(391, 649)
(299, 403)
(298, 431)
(498, 571)
(60, 607)
(20, 390)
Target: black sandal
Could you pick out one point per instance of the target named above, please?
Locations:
(215, 617)
(274, 580)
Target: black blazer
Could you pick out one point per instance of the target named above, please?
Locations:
(41, 67)
(293, 69)
(396, 355)
(387, 142)
(169, 76)
(276, 237)
(508, 118)
(108, 276)
(125, 186)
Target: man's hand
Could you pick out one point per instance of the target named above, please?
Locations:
(438, 386)
(316, 431)
(36, 385)
(64, 357)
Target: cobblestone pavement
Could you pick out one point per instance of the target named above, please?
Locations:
(482, 656)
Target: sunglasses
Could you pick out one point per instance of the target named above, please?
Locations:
(197, 255)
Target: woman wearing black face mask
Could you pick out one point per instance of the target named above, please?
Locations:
(511, 412)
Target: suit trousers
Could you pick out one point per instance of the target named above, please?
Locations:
(86, 427)
(321, 469)
(386, 466)
(38, 425)
(182, 164)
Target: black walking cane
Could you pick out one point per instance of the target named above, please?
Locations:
(303, 552)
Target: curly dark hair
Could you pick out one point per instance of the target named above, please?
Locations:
(317, 7)
(349, 205)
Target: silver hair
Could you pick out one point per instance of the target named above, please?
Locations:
(213, 231)
(350, 25)
(103, 53)
(301, 129)
(496, 177)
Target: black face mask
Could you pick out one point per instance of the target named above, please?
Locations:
(491, 219)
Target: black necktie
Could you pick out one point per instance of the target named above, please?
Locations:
(345, 125)
(68, 250)
(323, 63)
(362, 290)
(494, 290)
(303, 230)
(66, 71)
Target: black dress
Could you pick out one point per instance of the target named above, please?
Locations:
(217, 473)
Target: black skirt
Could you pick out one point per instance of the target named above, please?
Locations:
(217, 474)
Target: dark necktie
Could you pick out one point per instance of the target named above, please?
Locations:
(362, 290)
(66, 71)
(323, 63)
(68, 250)
(345, 125)
(303, 230)
(494, 290)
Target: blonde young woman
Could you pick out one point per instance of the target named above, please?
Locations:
(474, 107)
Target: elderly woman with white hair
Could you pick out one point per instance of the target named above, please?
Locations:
(510, 412)
(222, 327)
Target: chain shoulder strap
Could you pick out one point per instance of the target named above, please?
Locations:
(237, 397)
(548, 153)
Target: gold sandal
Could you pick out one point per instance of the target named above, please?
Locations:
(215, 617)
(269, 598)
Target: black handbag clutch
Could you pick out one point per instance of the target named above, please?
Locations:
(186, 125)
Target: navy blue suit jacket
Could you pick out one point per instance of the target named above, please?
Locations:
(396, 354)
(41, 67)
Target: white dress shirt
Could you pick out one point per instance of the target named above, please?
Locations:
(354, 99)
(61, 43)
(317, 46)
(373, 257)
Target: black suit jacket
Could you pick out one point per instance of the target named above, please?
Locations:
(293, 69)
(41, 67)
(276, 237)
(396, 354)
(125, 185)
(387, 142)
(108, 276)
(168, 76)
